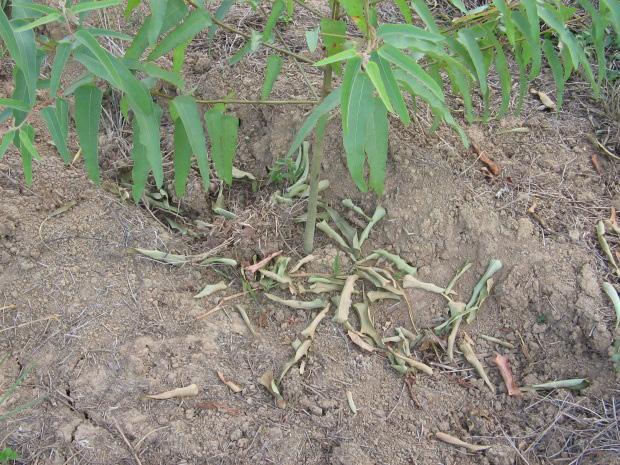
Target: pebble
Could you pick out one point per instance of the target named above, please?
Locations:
(236, 435)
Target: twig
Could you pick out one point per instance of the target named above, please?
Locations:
(245, 102)
(50, 317)
(219, 304)
(126, 441)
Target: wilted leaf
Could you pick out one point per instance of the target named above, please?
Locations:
(210, 289)
(187, 391)
(342, 313)
(298, 304)
(445, 437)
(232, 386)
(360, 342)
(270, 384)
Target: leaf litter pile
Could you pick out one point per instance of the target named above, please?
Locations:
(348, 296)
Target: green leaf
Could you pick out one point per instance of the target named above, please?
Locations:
(141, 167)
(505, 78)
(150, 137)
(391, 87)
(119, 75)
(178, 57)
(274, 65)
(377, 146)
(62, 112)
(220, 14)
(187, 110)
(351, 72)
(355, 137)
(459, 5)
(327, 104)
(175, 12)
(355, 11)
(333, 37)
(159, 73)
(534, 30)
(406, 35)
(158, 13)
(506, 20)
(83, 7)
(373, 72)
(312, 39)
(131, 5)
(341, 56)
(56, 131)
(407, 64)
(182, 157)
(195, 22)
(222, 129)
(15, 104)
(556, 71)
(7, 138)
(6, 33)
(87, 116)
(27, 151)
(404, 10)
(40, 22)
(613, 6)
(63, 50)
(576, 52)
(276, 10)
(468, 40)
(425, 14)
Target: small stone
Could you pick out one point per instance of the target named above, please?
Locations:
(243, 443)
(236, 435)
(274, 433)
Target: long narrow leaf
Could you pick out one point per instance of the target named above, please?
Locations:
(63, 50)
(182, 157)
(187, 110)
(194, 23)
(87, 116)
(222, 130)
(51, 118)
(274, 65)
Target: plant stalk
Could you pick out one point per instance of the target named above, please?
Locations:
(315, 167)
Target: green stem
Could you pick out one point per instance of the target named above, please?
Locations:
(315, 164)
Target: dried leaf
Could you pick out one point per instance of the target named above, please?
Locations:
(376, 217)
(577, 384)
(493, 167)
(413, 363)
(367, 326)
(411, 282)
(321, 288)
(187, 391)
(334, 236)
(611, 292)
(246, 319)
(301, 350)
(311, 328)
(350, 205)
(342, 313)
(373, 296)
(597, 164)
(504, 370)
(497, 341)
(544, 99)
(359, 341)
(302, 262)
(351, 402)
(600, 233)
(298, 304)
(257, 266)
(232, 386)
(164, 257)
(276, 277)
(211, 289)
(396, 260)
(470, 356)
(475, 301)
(447, 438)
(270, 384)
(239, 174)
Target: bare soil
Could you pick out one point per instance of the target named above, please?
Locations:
(101, 328)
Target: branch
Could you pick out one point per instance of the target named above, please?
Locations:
(245, 102)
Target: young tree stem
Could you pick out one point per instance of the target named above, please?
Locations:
(315, 167)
